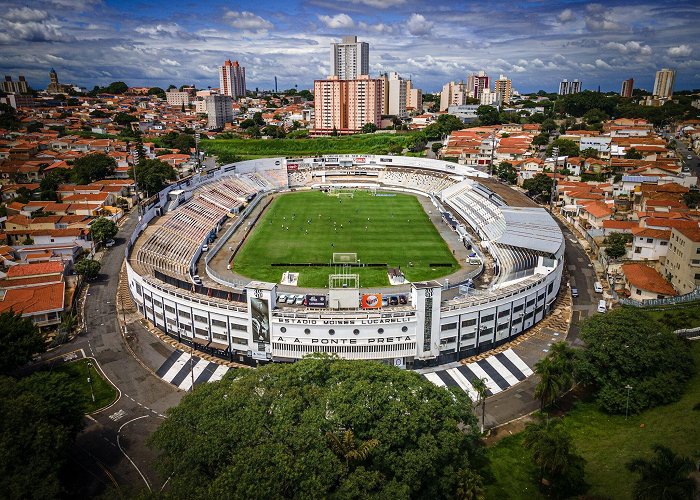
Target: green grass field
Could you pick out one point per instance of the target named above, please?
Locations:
(78, 371)
(356, 144)
(607, 442)
(398, 232)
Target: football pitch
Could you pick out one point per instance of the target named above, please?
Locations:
(308, 227)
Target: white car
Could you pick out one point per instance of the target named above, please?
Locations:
(602, 306)
(598, 287)
(690, 157)
(299, 300)
(282, 299)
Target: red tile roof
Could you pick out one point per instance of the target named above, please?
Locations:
(36, 269)
(647, 278)
(692, 233)
(34, 299)
(620, 224)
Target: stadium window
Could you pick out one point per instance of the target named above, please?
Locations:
(503, 313)
(488, 317)
(502, 327)
(219, 336)
(469, 322)
(307, 331)
(234, 326)
(550, 288)
(239, 340)
(448, 326)
(170, 309)
(530, 302)
(201, 331)
(380, 331)
(469, 336)
(356, 331)
(517, 321)
(283, 330)
(201, 319)
(156, 303)
(184, 314)
(529, 315)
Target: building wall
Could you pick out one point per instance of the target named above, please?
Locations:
(682, 265)
(350, 58)
(347, 105)
(663, 84)
(397, 95)
(219, 111)
(644, 249)
(175, 98)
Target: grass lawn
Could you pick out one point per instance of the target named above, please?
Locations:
(356, 144)
(678, 316)
(78, 371)
(606, 442)
(398, 231)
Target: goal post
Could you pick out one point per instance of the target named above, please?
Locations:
(344, 258)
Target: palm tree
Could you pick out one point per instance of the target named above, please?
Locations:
(348, 449)
(665, 476)
(479, 386)
(562, 355)
(550, 383)
(551, 446)
(470, 485)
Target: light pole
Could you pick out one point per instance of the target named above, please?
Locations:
(89, 379)
(627, 406)
(555, 152)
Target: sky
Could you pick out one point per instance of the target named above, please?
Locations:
(534, 43)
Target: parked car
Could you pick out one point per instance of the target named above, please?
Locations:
(574, 292)
(598, 287)
(690, 157)
(602, 306)
(197, 280)
(109, 243)
(282, 299)
(299, 300)
(205, 248)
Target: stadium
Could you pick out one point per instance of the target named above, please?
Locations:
(408, 261)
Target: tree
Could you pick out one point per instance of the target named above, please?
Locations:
(548, 125)
(506, 172)
(40, 416)
(124, 119)
(488, 115)
(479, 386)
(93, 167)
(470, 485)
(151, 175)
(321, 427)
(554, 454)
(594, 116)
(20, 339)
(103, 229)
(368, 128)
(566, 147)
(116, 88)
(540, 140)
(626, 347)
(589, 153)
(692, 198)
(88, 268)
(540, 184)
(437, 146)
(664, 476)
(633, 154)
(183, 143)
(8, 117)
(617, 245)
(49, 185)
(157, 91)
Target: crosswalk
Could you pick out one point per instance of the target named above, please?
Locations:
(181, 369)
(499, 372)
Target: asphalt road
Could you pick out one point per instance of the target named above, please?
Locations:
(694, 163)
(111, 450)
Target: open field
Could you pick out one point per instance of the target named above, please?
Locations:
(381, 229)
(259, 148)
(78, 371)
(607, 442)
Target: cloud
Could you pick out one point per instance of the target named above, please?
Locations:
(247, 21)
(566, 15)
(602, 64)
(418, 25)
(379, 4)
(630, 47)
(377, 28)
(598, 19)
(680, 51)
(337, 21)
(169, 62)
(25, 14)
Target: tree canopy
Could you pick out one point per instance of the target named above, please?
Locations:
(567, 147)
(151, 175)
(318, 428)
(19, 339)
(116, 88)
(93, 167)
(103, 229)
(616, 245)
(40, 416)
(666, 475)
(539, 184)
(88, 268)
(626, 347)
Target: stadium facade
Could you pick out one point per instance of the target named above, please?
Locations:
(523, 252)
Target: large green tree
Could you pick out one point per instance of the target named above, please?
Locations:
(506, 172)
(539, 184)
(88, 268)
(40, 416)
(20, 339)
(626, 347)
(616, 244)
(152, 175)
(319, 428)
(103, 229)
(664, 476)
(488, 115)
(567, 147)
(116, 88)
(93, 167)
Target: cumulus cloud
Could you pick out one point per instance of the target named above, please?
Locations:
(169, 62)
(598, 19)
(418, 25)
(337, 21)
(246, 21)
(566, 15)
(602, 64)
(25, 14)
(32, 31)
(377, 28)
(379, 4)
(630, 47)
(680, 51)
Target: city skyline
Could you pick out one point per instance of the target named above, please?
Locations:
(535, 45)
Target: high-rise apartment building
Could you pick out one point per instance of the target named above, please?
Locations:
(453, 94)
(504, 86)
(476, 83)
(397, 95)
(566, 87)
(489, 98)
(232, 79)
(682, 264)
(18, 87)
(627, 88)
(414, 98)
(345, 106)
(663, 84)
(219, 111)
(349, 58)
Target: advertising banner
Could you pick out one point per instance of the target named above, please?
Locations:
(316, 301)
(371, 301)
(260, 312)
(291, 167)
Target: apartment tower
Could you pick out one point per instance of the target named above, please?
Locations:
(663, 84)
(232, 79)
(627, 88)
(349, 58)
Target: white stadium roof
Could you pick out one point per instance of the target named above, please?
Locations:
(532, 228)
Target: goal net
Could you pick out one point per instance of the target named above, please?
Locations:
(339, 192)
(344, 258)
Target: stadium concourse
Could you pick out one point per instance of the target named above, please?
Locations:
(184, 228)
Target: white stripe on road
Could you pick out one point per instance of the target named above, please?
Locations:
(433, 377)
(519, 363)
(479, 372)
(463, 383)
(218, 373)
(186, 384)
(502, 370)
(177, 366)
